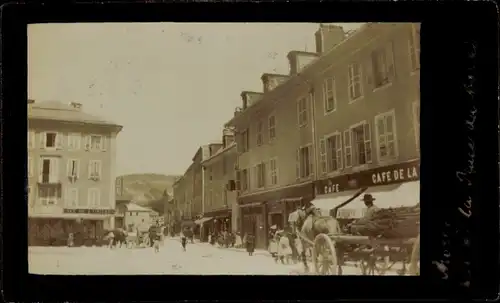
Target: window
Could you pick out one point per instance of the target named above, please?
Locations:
(260, 175)
(95, 143)
(73, 168)
(273, 171)
(211, 198)
(31, 139)
(50, 140)
(260, 127)
(331, 153)
(30, 167)
(416, 122)
(357, 145)
(95, 169)
(244, 180)
(386, 136)
(30, 198)
(272, 127)
(302, 112)
(354, 76)
(49, 195)
(94, 197)
(244, 138)
(414, 48)
(74, 141)
(329, 95)
(304, 163)
(71, 197)
(380, 67)
(49, 170)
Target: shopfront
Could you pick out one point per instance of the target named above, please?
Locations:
(273, 208)
(392, 186)
(214, 222)
(53, 230)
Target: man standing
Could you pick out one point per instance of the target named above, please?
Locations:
(370, 207)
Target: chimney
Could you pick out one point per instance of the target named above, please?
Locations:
(298, 60)
(250, 98)
(76, 105)
(244, 100)
(328, 36)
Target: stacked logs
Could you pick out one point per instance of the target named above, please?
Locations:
(401, 222)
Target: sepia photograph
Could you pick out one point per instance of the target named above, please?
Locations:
(224, 149)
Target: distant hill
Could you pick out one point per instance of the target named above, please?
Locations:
(148, 189)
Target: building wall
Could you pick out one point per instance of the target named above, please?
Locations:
(217, 196)
(400, 95)
(106, 184)
(137, 218)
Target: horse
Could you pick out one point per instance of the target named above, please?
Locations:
(311, 224)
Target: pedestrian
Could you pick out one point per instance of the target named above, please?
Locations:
(111, 238)
(238, 243)
(284, 249)
(71, 240)
(183, 242)
(250, 244)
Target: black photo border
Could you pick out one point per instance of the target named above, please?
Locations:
(459, 160)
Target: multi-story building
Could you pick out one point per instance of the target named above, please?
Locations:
(71, 173)
(220, 210)
(292, 137)
(366, 105)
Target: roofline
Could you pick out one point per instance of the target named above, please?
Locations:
(280, 90)
(103, 123)
(225, 150)
(270, 74)
(290, 53)
(249, 92)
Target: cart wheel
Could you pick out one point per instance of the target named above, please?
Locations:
(415, 258)
(325, 256)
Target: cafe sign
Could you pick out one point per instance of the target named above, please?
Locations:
(89, 211)
(391, 174)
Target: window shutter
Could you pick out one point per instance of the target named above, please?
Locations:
(99, 169)
(298, 113)
(54, 170)
(58, 140)
(368, 142)
(76, 197)
(77, 169)
(347, 148)
(104, 143)
(98, 198)
(87, 142)
(338, 146)
(297, 163)
(43, 137)
(89, 197)
(263, 173)
(40, 170)
(238, 180)
(322, 151)
(68, 168)
(311, 160)
(90, 169)
(389, 58)
(77, 139)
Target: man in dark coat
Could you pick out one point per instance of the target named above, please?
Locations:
(250, 243)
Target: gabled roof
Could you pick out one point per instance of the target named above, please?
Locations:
(58, 111)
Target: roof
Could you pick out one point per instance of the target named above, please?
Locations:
(135, 207)
(58, 111)
(220, 151)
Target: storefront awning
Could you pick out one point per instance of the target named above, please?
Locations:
(329, 201)
(386, 196)
(202, 220)
(70, 216)
(252, 204)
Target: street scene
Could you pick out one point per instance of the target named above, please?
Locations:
(215, 149)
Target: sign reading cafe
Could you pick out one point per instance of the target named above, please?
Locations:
(391, 174)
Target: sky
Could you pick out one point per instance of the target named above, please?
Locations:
(171, 85)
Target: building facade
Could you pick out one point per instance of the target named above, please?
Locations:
(366, 103)
(346, 116)
(71, 173)
(220, 211)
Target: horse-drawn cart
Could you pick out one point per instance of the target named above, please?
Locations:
(334, 247)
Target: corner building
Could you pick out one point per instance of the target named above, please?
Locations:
(367, 119)
(71, 174)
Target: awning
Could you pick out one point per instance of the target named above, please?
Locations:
(329, 201)
(252, 204)
(70, 216)
(202, 220)
(386, 196)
